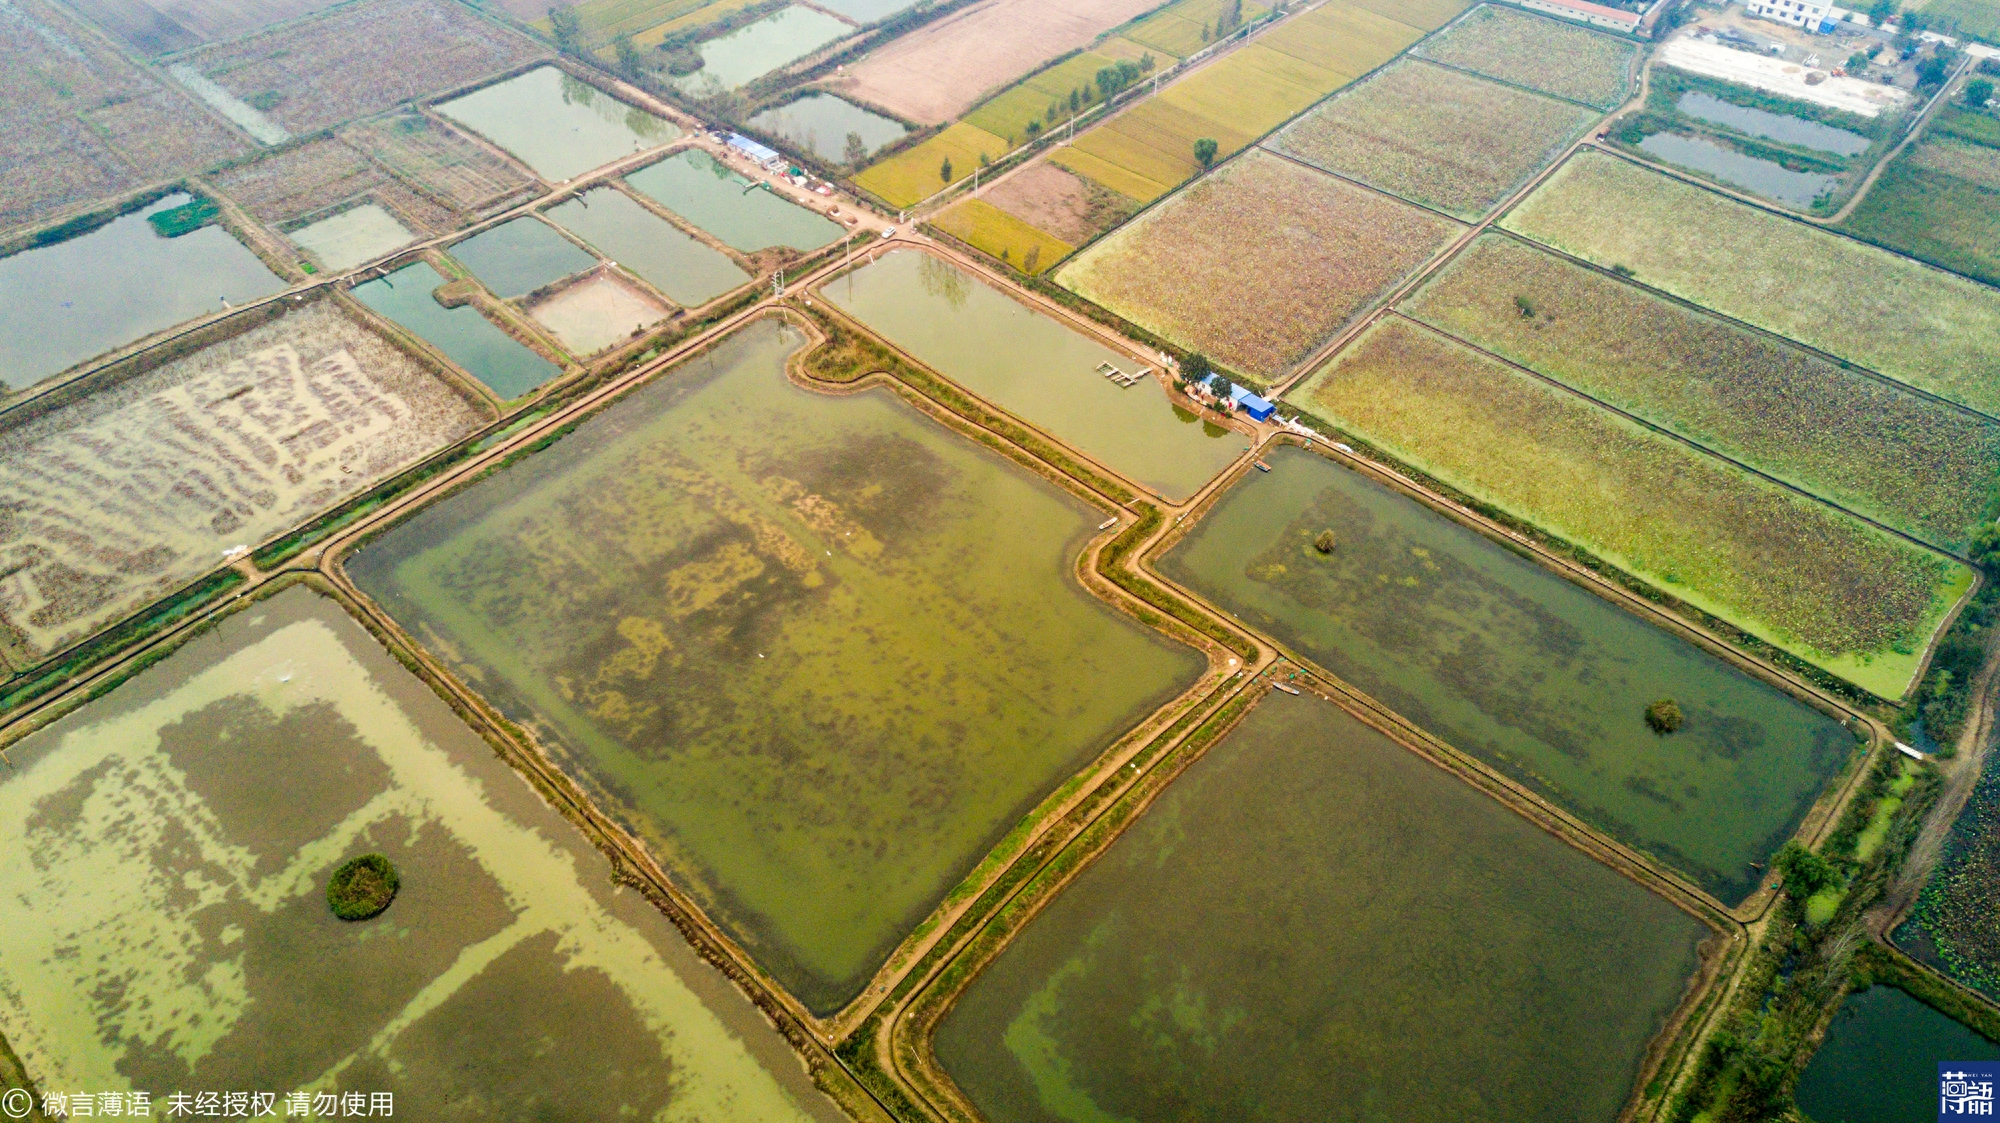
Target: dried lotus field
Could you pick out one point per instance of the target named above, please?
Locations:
(1435, 136)
(1808, 579)
(1908, 461)
(1258, 264)
(142, 486)
(1540, 53)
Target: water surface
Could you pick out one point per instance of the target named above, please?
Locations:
(352, 237)
(756, 49)
(64, 303)
(1879, 1062)
(1036, 368)
(1315, 924)
(819, 652)
(1763, 177)
(866, 11)
(559, 126)
(168, 927)
(820, 124)
(688, 271)
(464, 335)
(1781, 127)
(516, 258)
(745, 216)
(1509, 662)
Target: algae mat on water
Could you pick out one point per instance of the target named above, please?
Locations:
(1509, 662)
(168, 929)
(1314, 924)
(818, 652)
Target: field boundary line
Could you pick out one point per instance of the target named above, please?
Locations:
(1620, 411)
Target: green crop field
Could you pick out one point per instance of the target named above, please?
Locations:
(1905, 460)
(1940, 200)
(1540, 53)
(1178, 30)
(911, 176)
(605, 20)
(1818, 583)
(1435, 136)
(1007, 114)
(1926, 327)
(1978, 18)
(1258, 264)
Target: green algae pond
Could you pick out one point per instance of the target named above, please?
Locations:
(1312, 923)
(818, 652)
(686, 270)
(1036, 368)
(1517, 666)
(515, 258)
(558, 125)
(168, 927)
(1879, 1062)
(743, 215)
(71, 300)
(462, 334)
(820, 124)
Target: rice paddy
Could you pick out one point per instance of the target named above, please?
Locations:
(1282, 936)
(1936, 200)
(168, 928)
(819, 674)
(558, 125)
(743, 215)
(1907, 461)
(1801, 576)
(1935, 331)
(1435, 136)
(1550, 55)
(991, 230)
(1305, 250)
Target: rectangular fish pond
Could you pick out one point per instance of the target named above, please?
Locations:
(74, 299)
(756, 49)
(821, 123)
(1879, 1062)
(1037, 368)
(819, 652)
(745, 216)
(352, 237)
(1313, 923)
(169, 926)
(686, 270)
(1522, 668)
(462, 334)
(558, 125)
(519, 256)
(1737, 168)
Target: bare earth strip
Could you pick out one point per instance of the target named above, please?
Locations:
(937, 72)
(141, 487)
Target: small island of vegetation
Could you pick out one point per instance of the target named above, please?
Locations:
(362, 887)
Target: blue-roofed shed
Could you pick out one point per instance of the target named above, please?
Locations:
(764, 156)
(1256, 407)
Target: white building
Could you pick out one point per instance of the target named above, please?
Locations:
(1798, 13)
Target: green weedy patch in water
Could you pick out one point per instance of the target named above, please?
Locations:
(168, 927)
(1312, 923)
(362, 887)
(1509, 662)
(818, 652)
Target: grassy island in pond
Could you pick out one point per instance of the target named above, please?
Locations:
(1520, 667)
(362, 887)
(1313, 923)
(820, 653)
(169, 930)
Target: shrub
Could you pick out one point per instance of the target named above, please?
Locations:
(1805, 873)
(1664, 716)
(362, 887)
(1324, 542)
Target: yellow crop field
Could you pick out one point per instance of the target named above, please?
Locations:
(1427, 15)
(1343, 38)
(1107, 174)
(1118, 148)
(1007, 115)
(991, 230)
(910, 177)
(695, 17)
(605, 20)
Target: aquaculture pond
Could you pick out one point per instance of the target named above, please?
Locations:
(1879, 1062)
(516, 258)
(682, 267)
(1520, 667)
(462, 334)
(352, 237)
(598, 311)
(756, 49)
(745, 216)
(819, 652)
(64, 303)
(821, 124)
(1781, 127)
(1955, 926)
(168, 925)
(1764, 177)
(1037, 368)
(1313, 923)
(558, 125)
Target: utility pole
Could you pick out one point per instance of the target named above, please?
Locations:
(778, 284)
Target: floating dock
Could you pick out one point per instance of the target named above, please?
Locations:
(1120, 377)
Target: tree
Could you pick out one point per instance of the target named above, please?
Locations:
(1985, 547)
(1806, 873)
(1146, 63)
(567, 28)
(1230, 19)
(1931, 72)
(1911, 21)
(856, 151)
(984, 162)
(1204, 152)
(1033, 129)
(944, 170)
(1032, 260)
(630, 61)
(1195, 367)
(1664, 716)
(1978, 92)
(1857, 63)
(1051, 114)
(1075, 101)
(1880, 11)
(1324, 542)
(1204, 33)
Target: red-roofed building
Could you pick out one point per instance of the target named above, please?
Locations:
(1585, 12)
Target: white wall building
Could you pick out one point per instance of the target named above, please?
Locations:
(1798, 13)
